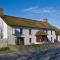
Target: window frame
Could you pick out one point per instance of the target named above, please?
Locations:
(51, 38)
(29, 31)
(51, 32)
(1, 34)
(21, 30)
(30, 40)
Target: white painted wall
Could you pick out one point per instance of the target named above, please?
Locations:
(3, 26)
(27, 36)
(11, 37)
(53, 35)
(5, 35)
(59, 38)
(33, 36)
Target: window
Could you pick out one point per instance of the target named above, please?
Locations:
(15, 32)
(29, 31)
(51, 32)
(20, 40)
(30, 40)
(51, 38)
(39, 38)
(21, 31)
(56, 37)
(1, 34)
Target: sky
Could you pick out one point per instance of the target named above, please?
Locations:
(33, 9)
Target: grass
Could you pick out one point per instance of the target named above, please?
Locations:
(4, 50)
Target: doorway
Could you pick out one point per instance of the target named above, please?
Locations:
(41, 38)
(20, 41)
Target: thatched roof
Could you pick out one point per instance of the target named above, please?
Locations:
(57, 32)
(41, 33)
(16, 21)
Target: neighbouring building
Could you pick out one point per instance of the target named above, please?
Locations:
(24, 31)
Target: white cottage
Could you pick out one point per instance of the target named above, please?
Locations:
(24, 31)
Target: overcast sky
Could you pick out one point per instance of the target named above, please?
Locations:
(33, 9)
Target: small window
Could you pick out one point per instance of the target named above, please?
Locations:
(30, 40)
(51, 32)
(29, 31)
(21, 30)
(51, 38)
(56, 37)
(1, 34)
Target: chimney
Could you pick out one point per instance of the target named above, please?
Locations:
(45, 20)
(1, 11)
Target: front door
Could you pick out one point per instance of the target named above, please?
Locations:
(41, 38)
(21, 41)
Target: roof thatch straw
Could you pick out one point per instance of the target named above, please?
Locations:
(41, 33)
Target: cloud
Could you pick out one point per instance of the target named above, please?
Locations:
(52, 12)
(38, 10)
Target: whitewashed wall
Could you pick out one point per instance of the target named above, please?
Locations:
(11, 37)
(33, 36)
(3, 26)
(59, 38)
(27, 36)
(3, 33)
(53, 35)
(3, 43)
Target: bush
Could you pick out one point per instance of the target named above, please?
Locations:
(4, 49)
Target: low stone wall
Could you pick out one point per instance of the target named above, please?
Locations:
(33, 48)
(40, 47)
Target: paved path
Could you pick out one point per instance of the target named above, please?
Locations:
(51, 54)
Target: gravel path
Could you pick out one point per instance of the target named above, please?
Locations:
(51, 54)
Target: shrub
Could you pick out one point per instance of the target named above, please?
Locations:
(4, 49)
